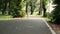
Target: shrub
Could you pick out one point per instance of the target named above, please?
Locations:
(49, 15)
(56, 15)
(56, 12)
(19, 14)
(22, 13)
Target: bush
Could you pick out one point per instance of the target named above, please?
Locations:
(49, 15)
(56, 16)
(22, 13)
(56, 12)
(19, 14)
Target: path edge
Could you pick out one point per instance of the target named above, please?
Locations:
(50, 28)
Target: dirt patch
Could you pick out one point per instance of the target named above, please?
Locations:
(56, 27)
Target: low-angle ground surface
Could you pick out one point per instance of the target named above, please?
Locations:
(24, 26)
(56, 27)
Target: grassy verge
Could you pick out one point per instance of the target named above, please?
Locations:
(47, 19)
(5, 17)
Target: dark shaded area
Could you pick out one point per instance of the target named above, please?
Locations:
(56, 12)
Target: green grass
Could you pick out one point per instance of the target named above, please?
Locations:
(35, 13)
(47, 19)
(5, 17)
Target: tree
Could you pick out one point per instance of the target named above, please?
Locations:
(40, 8)
(4, 6)
(44, 7)
(27, 3)
(9, 12)
(32, 5)
(12, 7)
(0, 5)
(16, 7)
(56, 12)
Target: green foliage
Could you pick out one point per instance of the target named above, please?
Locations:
(27, 1)
(56, 12)
(14, 7)
(56, 2)
(46, 2)
(21, 5)
(17, 6)
(49, 15)
(44, 8)
(32, 5)
(5, 17)
(21, 14)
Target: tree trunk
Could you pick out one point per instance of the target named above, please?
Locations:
(26, 8)
(31, 8)
(40, 9)
(44, 9)
(9, 12)
(4, 6)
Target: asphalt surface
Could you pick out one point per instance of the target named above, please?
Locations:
(24, 26)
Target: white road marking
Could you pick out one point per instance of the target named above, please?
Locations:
(53, 32)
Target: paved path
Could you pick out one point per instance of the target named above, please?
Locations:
(24, 26)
